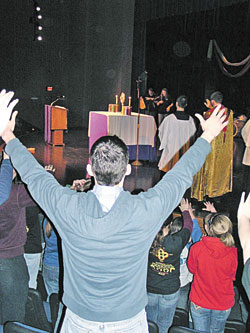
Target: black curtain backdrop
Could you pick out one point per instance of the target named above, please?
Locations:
(172, 40)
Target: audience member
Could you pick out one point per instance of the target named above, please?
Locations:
(50, 259)
(185, 276)
(14, 277)
(244, 235)
(213, 262)
(163, 280)
(175, 133)
(33, 245)
(106, 233)
(163, 103)
(216, 176)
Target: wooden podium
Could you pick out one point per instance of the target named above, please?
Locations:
(55, 122)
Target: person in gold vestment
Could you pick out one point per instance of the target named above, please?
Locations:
(216, 176)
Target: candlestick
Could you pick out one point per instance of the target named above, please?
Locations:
(116, 99)
(129, 101)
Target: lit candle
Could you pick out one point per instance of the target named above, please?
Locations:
(129, 101)
(116, 99)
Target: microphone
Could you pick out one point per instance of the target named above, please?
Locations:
(57, 99)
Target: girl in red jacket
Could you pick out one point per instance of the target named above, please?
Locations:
(213, 261)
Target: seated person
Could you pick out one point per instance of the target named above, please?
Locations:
(163, 103)
(149, 99)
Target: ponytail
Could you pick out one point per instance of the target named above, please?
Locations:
(227, 239)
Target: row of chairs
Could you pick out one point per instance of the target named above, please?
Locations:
(41, 317)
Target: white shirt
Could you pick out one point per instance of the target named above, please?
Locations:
(107, 195)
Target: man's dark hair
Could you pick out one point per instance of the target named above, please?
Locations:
(109, 159)
(217, 97)
(182, 101)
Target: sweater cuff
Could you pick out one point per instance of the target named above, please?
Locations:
(11, 145)
(204, 144)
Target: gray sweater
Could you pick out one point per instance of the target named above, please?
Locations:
(106, 254)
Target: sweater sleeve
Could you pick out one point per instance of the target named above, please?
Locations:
(187, 221)
(166, 195)
(197, 233)
(6, 174)
(43, 187)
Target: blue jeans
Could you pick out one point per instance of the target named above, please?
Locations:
(208, 320)
(161, 309)
(51, 279)
(74, 324)
(184, 297)
(14, 286)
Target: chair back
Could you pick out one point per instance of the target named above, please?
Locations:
(35, 315)
(235, 326)
(54, 306)
(152, 327)
(234, 322)
(180, 318)
(181, 329)
(16, 327)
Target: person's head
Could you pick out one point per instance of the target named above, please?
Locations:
(216, 98)
(176, 225)
(181, 102)
(151, 91)
(164, 92)
(169, 227)
(109, 159)
(219, 226)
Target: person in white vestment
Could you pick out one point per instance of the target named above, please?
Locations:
(175, 134)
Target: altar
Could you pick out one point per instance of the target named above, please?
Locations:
(125, 127)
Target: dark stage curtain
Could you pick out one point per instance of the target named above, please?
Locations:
(204, 20)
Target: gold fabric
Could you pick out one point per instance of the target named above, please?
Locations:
(216, 176)
(177, 156)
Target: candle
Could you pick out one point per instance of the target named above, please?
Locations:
(116, 99)
(123, 110)
(129, 101)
